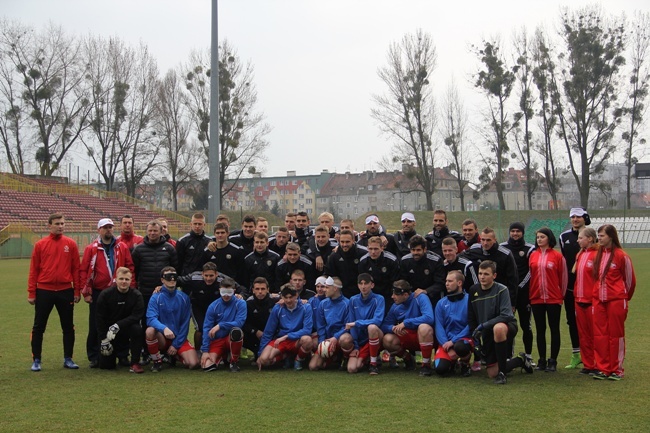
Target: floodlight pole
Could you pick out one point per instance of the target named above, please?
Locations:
(214, 187)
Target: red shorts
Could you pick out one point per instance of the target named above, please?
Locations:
(220, 346)
(364, 351)
(442, 354)
(287, 346)
(184, 348)
(409, 341)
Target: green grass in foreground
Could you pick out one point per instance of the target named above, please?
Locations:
(93, 400)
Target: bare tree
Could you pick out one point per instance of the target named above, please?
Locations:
(496, 80)
(52, 87)
(406, 112)
(523, 133)
(589, 76)
(242, 129)
(173, 122)
(638, 91)
(454, 130)
(543, 76)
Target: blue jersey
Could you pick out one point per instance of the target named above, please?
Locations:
(227, 315)
(292, 323)
(413, 312)
(451, 318)
(331, 317)
(365, 312)
(315, 301)
(170, 310)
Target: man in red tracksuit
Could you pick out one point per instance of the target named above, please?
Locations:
(54, 282)
(100, 260)
(127, 235)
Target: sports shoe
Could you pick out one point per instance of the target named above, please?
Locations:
(69, 363)
(297, 365)
(500, 379)
(93, 363)
(575, 360)
(425, 370)
(145, 359)
(465, 370)
(373, 370)
(586, 372)
(392, 363)
(136, 368)
(234, 368)
(600, 376)
(209, 368)
(409, 364)
(124, 362)
(476, 366)
(36, 365)
(541, 365)
(528, 368)
(614, 376)
(156, 367)
(551, 366)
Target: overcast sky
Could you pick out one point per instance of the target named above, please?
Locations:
(315, 61)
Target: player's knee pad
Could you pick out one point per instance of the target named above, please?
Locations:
(442, 366)
(236, 334)
(462, 348)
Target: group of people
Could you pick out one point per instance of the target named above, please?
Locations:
(334, 297)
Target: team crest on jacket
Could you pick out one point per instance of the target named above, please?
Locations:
(356, 261)
(269, 262)
(550, 265)
(384, 269)
(228, 256)
(66, 249)
(426, 272)
(522, 253)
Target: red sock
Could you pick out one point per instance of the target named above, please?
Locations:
(235, 350)
(427, 349)
(152, 348)
(373, 345)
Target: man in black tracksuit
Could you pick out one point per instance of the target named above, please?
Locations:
(319, 248)
(489, 249)
(424, 270)
(383, 267)
(118, 312)
(228, 257)
(344, 263)
(190, 247)
(262, 262)
(259, 307)
(455, 262)
(521, 252)
(294, 261)
(245, 238)
(403, 237)
(440, 231)
(374, 228)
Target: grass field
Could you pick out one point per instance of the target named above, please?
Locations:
(177, 400)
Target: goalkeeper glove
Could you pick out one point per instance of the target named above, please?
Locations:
(112, 332)
(477, 332)
(106, 348)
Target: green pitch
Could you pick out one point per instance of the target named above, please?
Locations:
(175, 400)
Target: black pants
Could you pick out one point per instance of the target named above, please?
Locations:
(553, 312)
(46, 300)
(145, 297)
(252, 343)
(570, 307)
(523, 311)
(126, 339)
(92, 342)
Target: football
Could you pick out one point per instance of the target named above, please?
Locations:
(325, 349)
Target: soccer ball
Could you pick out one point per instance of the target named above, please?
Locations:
(325, 349)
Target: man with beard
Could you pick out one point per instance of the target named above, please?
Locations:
(423, 270)
(374, 228)
(403, 237)
(258, 307)
(440, 231)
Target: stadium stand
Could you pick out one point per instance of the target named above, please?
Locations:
(632, 230)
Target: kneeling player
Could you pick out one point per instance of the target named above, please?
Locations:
(452, 331)
(408, 326)
(119, 309)
(490, 317)
(168, 321)
(287, 332)
(366, 312)
(222, 329)
(259, 307)
(330, 320)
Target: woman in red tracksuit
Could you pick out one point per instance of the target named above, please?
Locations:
(548, 282)
(615, 284)
(583, 293)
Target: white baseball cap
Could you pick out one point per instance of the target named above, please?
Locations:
(407, 216)
(105, 222)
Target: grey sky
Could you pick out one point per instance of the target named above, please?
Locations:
(315, 61)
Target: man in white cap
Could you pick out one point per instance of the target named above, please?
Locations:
(569, 246)
(403, 237)
(374, 228)
(97, 272)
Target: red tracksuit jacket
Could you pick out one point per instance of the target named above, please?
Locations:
(95, 273)
(584, 271)
(548, 277)
(620, 281)
(54, 265)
